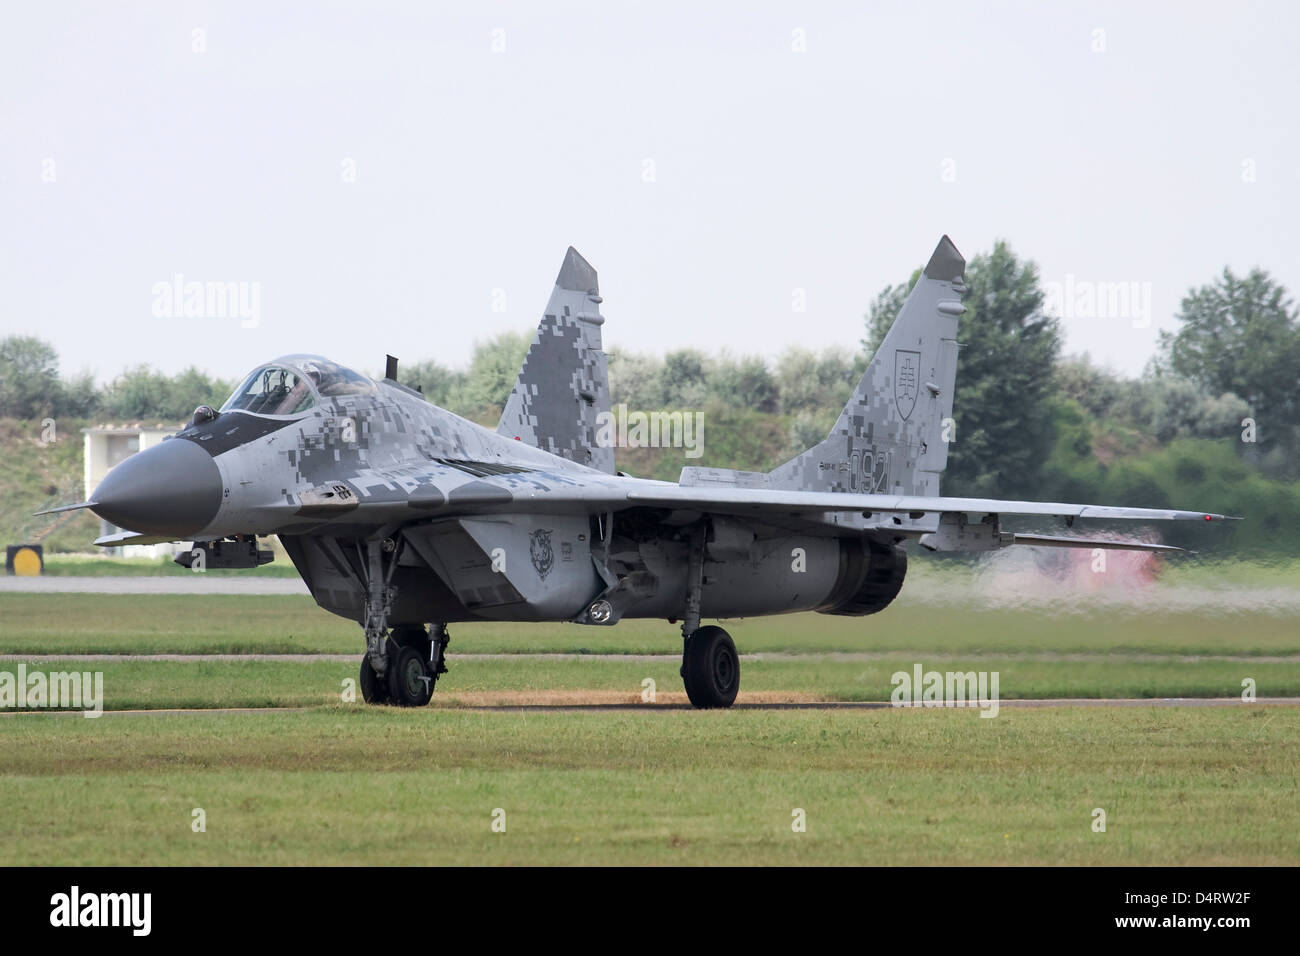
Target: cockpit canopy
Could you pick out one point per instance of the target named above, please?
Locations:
(292, 384)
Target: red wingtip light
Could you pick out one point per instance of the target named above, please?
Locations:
(1209, 517)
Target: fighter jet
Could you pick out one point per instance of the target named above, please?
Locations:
(406, 518)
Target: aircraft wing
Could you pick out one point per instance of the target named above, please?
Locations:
(545, 493)
(741, 501)
(941, 523)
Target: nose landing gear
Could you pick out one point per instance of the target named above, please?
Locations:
(415, 658)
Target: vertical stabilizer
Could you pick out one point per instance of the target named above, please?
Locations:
(563, 387)
(892, 437)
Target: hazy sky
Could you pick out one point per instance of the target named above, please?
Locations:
(379, 170)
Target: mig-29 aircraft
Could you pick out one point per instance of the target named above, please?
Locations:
(405, 518)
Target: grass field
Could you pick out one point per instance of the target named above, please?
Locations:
(289, 624)
(1209, 787)
(135, 684)
(343, 783)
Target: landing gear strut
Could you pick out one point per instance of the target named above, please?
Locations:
(710, 664)
(380, 596)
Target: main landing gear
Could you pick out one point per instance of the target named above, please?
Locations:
(710, 664)
(415, 658)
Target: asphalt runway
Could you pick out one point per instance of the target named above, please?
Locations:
(175, 584)
(992, 592)
(840, 656)
(886, 705)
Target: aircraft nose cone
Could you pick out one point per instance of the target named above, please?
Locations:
(173, 488)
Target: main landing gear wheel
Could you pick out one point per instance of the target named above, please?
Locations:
(711, 668)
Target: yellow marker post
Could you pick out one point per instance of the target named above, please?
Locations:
(25, 560)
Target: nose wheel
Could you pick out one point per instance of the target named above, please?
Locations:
(415, 658)
(374, 689)
(410, 679)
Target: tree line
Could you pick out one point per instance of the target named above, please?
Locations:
(1214, 411)
(31, 387)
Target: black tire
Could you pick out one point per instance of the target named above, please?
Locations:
(711, 668)
(373, 690)
(410, 682)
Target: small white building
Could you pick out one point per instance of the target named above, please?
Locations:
(110, 445)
